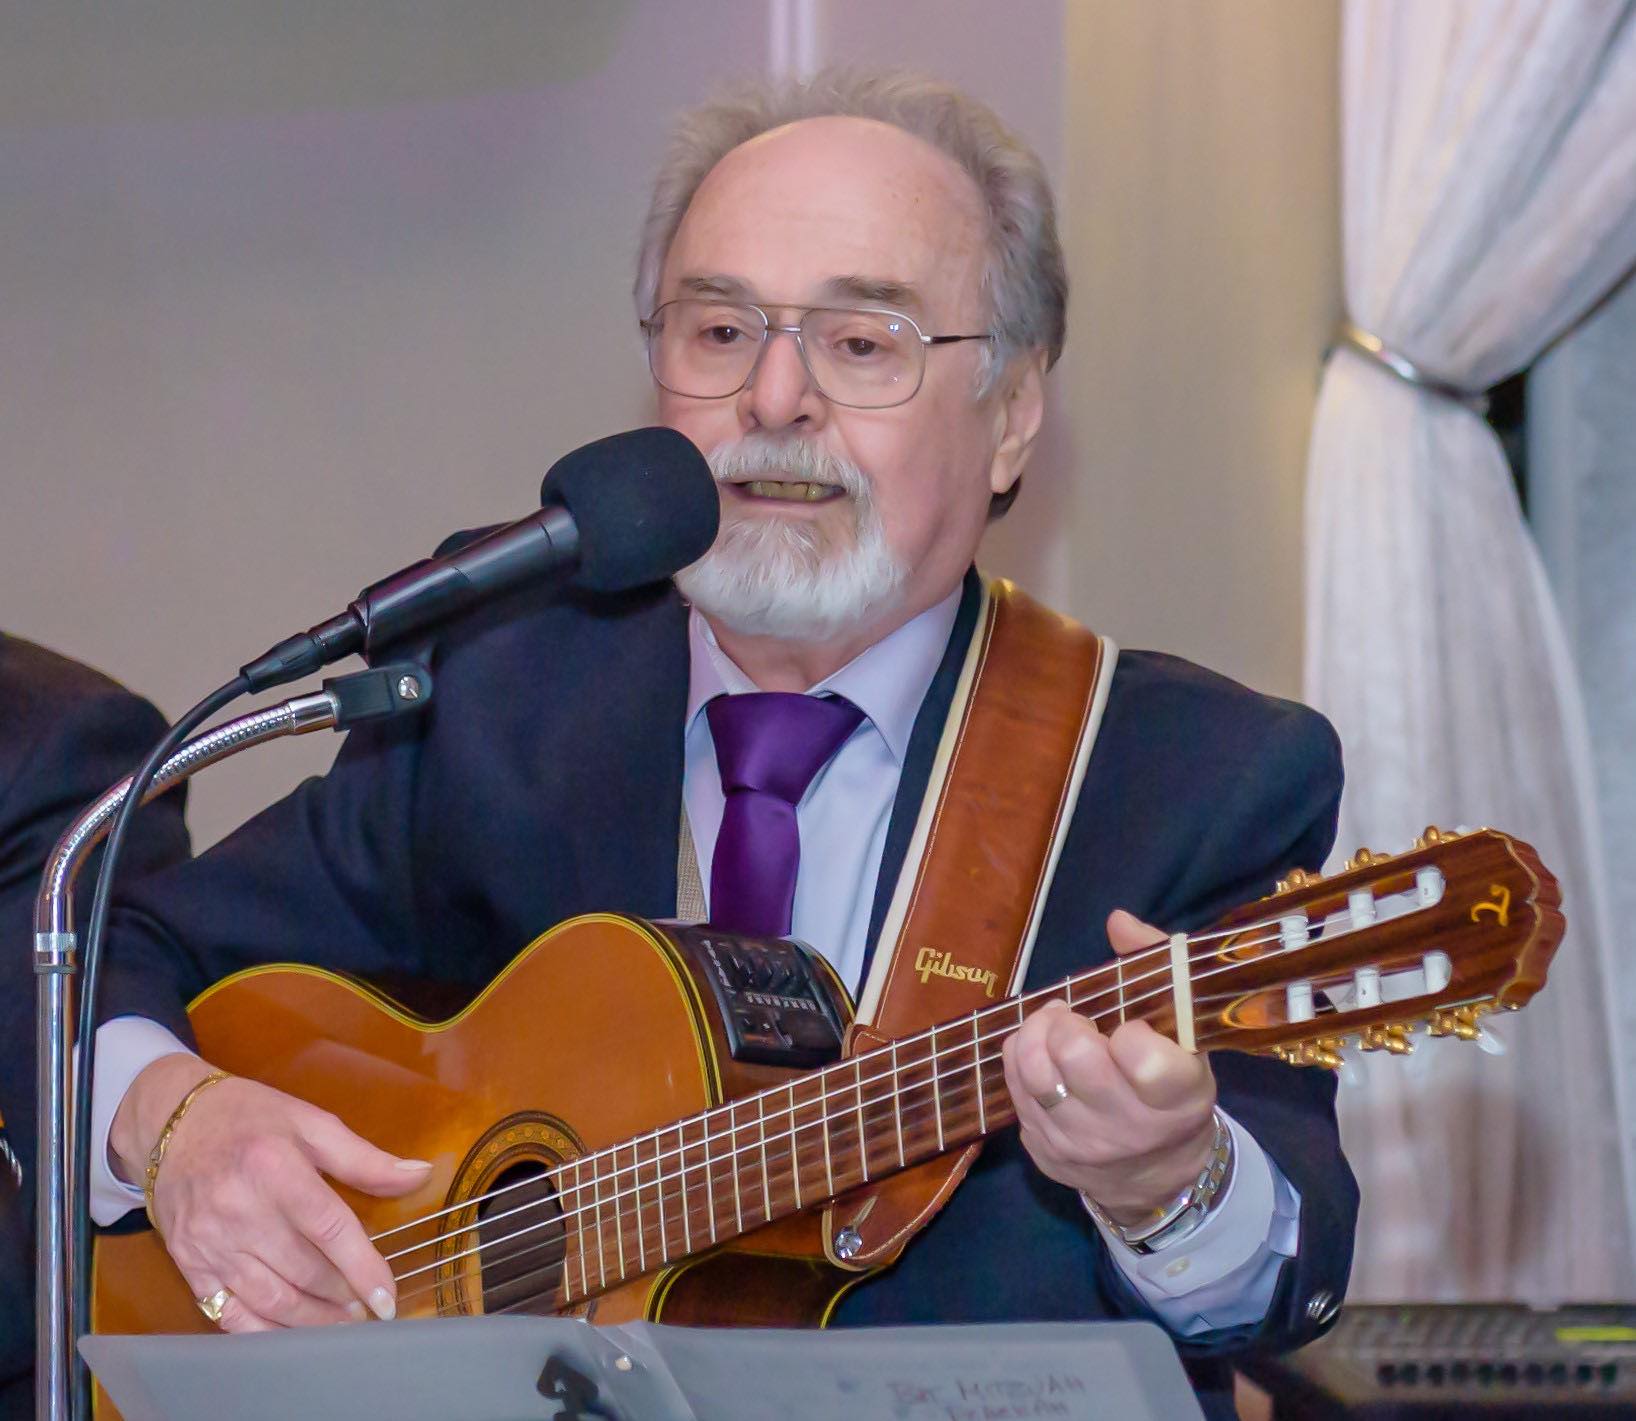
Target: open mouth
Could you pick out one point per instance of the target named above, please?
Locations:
(790, 491)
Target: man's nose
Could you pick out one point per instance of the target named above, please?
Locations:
(780, 392)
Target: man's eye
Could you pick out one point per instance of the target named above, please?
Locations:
(722, 335)
(859, 347)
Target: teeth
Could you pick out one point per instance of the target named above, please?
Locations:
(795, 492)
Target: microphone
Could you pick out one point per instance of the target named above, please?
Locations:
(617, 514)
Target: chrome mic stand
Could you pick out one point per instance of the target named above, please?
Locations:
(341, 703)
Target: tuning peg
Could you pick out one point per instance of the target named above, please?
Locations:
(1364, 858)
(1326, 1051)
(1448, 1023)
(1393, 1038)
(1297, 878)
(1461, 1022)
(1434, 835)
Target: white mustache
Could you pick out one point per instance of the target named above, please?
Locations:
(786, 461)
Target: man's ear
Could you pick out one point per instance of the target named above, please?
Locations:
(1018, 413)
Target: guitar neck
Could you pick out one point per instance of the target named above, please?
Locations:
(708, 1178)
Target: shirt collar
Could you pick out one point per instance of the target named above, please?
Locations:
(886, 681)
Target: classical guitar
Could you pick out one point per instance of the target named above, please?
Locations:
(642, 1119)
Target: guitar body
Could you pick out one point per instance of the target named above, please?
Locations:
(598, 1032)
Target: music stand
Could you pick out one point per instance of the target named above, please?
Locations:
(512, 1368)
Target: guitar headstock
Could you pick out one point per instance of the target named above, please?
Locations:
(1459, 925)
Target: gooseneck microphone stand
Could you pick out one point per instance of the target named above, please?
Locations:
(61, 1204)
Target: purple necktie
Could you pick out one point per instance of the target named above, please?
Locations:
(769, 745)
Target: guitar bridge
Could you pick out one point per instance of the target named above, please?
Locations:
(775, 996)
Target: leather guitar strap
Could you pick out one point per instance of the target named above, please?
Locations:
(968, 901)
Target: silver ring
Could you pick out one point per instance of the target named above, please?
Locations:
(1053, 1097)
(213, 1306)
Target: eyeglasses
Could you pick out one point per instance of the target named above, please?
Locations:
(864, 358)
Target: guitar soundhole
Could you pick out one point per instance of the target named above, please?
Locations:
(521, 1232)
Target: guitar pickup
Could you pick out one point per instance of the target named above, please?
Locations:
(773, 996)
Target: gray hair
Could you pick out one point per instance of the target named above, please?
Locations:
(1025, 283)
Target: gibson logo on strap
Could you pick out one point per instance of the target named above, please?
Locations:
(929, 963)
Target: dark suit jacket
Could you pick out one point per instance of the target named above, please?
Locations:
(545, 780)
(66, 734)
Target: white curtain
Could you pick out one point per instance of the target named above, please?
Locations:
(1489, 191)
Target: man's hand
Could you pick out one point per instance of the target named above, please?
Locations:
(1135, 1127)
(241, 1203)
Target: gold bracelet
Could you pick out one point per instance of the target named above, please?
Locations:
(156, 1156)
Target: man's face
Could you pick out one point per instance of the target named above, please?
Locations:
(821, 213)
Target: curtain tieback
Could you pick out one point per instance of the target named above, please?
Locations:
(1371, 346)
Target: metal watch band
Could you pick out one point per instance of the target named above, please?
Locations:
(1190, 1209)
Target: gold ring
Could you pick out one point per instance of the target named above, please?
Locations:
(213, 1306)
(1053, 1097)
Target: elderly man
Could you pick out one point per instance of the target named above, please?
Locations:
(852, 291)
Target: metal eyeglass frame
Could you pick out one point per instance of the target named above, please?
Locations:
(652, 325)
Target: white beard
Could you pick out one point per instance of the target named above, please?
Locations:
(787, 578)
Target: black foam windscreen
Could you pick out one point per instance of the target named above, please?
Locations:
(644, 503)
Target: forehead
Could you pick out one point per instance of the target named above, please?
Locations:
(793, 211)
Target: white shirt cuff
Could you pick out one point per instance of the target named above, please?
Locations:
(126, 1046)
(1224, 1273)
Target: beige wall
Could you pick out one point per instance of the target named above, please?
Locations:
(290, 292)
(1202, 220)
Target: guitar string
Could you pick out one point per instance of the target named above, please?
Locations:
(959, 1070)
(957, 1073)
(559, 1240)
(973, 1065)
(552, 1264)
(844, 1090)
(555, 1261)
(791, 1157)
(1161, 950)
(1123, 984)
(1122, 981)
(634, 1168)
(556, 1241)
